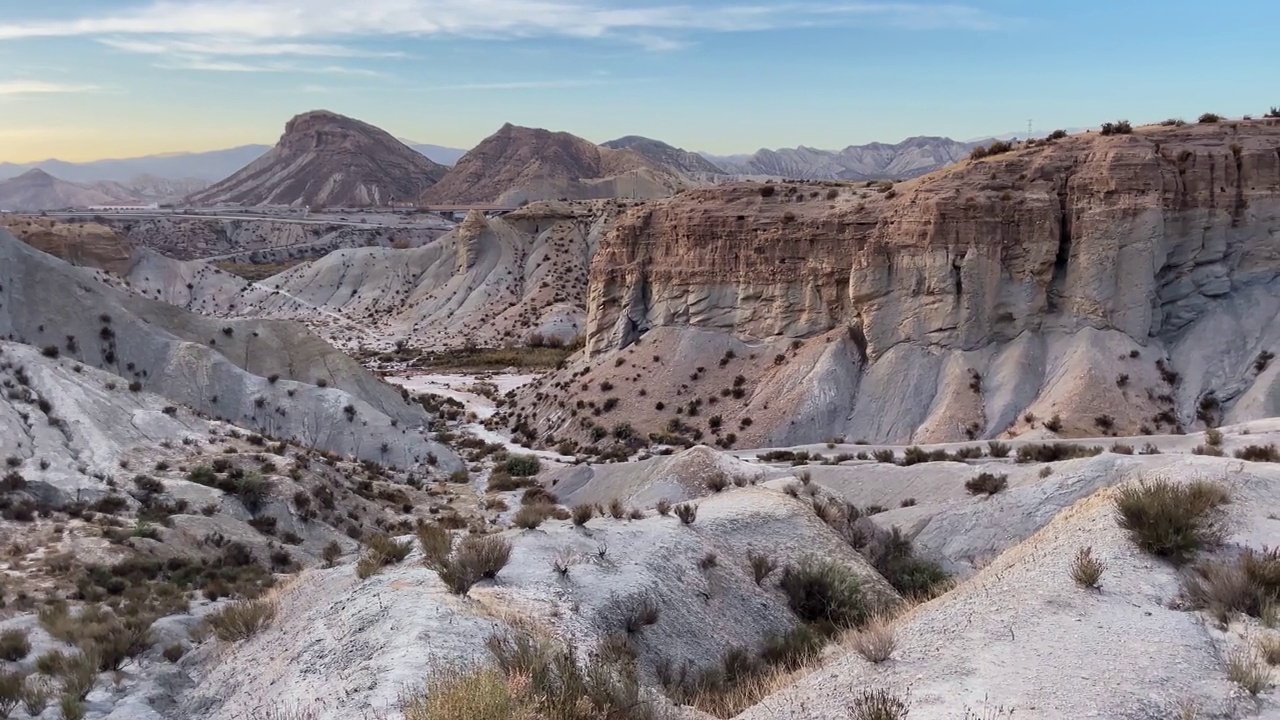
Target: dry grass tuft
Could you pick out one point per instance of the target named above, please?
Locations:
(879, 704)
(1173, 520)
(876, 640)
(1086, 569)
(242, 619)
(475, 694)
(1249, 584)
(1247, 669)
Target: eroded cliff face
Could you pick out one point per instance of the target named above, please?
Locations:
(1136, 233)
(1087, 286)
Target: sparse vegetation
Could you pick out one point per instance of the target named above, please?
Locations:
(242, 619)
(1259, 453)
(583, 513)
(381, 552)
(1249, 584)
(1086, 569)
(1054, 452)
(1171, 520)
(879, 704)
(1209, 117)
(14, 645)
(687, 512)
(825, 592)
(876, 640)
(761, 565)
(986, 484)
(1246, 668)
(997, 449)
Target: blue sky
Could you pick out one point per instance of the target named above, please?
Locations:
(84, 79)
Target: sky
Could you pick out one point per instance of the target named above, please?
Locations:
(91, 79)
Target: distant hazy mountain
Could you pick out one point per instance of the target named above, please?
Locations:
(910, 158)
(666, 156)
(324, 158)
(207, 166)
(37, 190)
(437, 154)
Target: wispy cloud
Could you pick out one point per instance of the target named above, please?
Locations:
(208, 64)
(529, 85)
(15, 88)
(287, 27)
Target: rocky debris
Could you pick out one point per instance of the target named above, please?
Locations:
(325, 159)
(37, 190)
(674, 478)
(1059, 280)
(270, 376)
(910, 158)
(517, 164)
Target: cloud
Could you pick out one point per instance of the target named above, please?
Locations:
(13, 88)
(248, 27)
(200, 62)
(237, 47)
(528, 85)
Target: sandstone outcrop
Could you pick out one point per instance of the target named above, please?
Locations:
(1124, 283)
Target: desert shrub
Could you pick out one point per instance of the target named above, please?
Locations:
(1054, 452)
(1053, 424)
(478, 694)
(1247, 669)
(1121, 127)
(174, 652)
(823, 591)
(894, 558)
(663, 507)
(14, 645)
(1086, 570)
(522, 465)
(71, 707)
(484, 557)
(717, 482)
(616, 509)
(1249, 584)
(436, 544)
(1259, 453)
(876, 640)
(35, 694)
(553, 686)
(1209, 450)
(883, 456)
(10, 692)
(1209, 118)
(1171, 520)
(459, 477)
(879, 704)
(242, 619)
(1057, 134)
(761, 565)
(382, 551)
(1121, 449)
(331, 553)
(986, 484)
(502, 481)
(767, 190)
(1213, 437)
(530, 517)
(687, 512)
(583, 513)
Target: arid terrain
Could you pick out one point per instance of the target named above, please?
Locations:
(601, 432)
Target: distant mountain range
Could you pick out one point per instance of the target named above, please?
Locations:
(327, 159)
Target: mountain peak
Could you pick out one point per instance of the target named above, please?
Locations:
(324, 158)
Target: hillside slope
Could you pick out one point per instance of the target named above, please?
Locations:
(326, 159)
(270, 376)
(37, 190)
(1118, 284)
(518, 164)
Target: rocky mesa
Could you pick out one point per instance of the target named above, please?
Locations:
(1088, 285)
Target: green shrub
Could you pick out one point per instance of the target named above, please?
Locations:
(895, 559)
(1259, 453)
(1170, 520)
(382, 551)
(242, 619)
(1054, 452)
(825, 592)
(986, 484)
(503, 481)
(522, 465)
